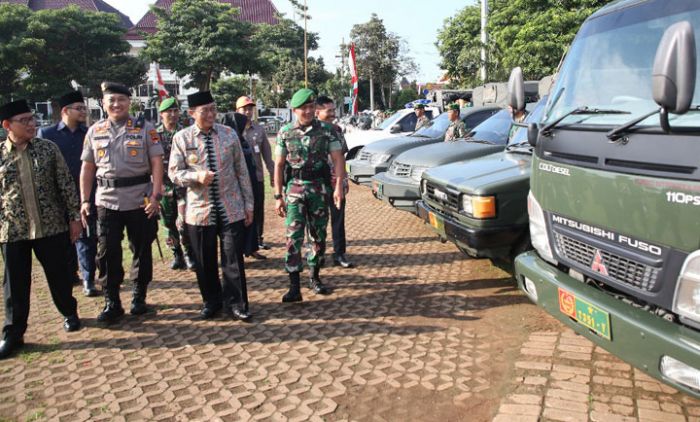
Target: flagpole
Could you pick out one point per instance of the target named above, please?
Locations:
(306, 64)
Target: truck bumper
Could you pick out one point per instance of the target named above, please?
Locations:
(637, 336)
(401, 194)
(361, 172)
(484, 242)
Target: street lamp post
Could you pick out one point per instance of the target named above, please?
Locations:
(484, 37)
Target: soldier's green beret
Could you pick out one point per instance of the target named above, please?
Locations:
(418, 106)
(301, 97)
(453, 106)
(167, 104)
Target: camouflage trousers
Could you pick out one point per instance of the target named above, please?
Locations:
(307, 208)
(172, 207)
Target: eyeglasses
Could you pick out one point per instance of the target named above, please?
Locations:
(25, 121)
(79, 108)
(211, 110)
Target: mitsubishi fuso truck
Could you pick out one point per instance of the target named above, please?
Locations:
(614, 202)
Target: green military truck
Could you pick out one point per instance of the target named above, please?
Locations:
(614, 203)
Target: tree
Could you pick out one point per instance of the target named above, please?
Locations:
(78, 45)
(202, 39)
(533, 34)
(381, 56)
(15, 48)
(227, 90)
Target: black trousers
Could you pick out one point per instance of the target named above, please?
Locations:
(18, 277)
(259, 208)
(234, 291)
(141, 232)
(338, 227)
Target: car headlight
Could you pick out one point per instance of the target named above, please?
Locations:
(379, 158)
(686, 303)
(479, 206)
(538, 229)
(417, 172)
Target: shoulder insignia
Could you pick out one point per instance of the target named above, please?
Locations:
(154, 136)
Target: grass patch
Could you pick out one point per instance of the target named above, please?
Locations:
(37, 415)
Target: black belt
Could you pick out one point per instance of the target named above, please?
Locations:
(123, 182)
(309, 174)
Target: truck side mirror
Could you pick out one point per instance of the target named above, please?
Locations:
(516, 90)
(673, 74)
(395, 129)
(533, 131)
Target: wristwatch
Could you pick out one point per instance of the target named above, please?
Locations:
(277, 196)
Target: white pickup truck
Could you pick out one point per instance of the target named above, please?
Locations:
(403, 122)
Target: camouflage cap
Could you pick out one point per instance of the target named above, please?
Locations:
(167, 104)
(301, 97)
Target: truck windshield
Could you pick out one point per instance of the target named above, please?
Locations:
(436, 128)
(610, 62)
(494, 129)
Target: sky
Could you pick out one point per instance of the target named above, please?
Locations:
(415, 21)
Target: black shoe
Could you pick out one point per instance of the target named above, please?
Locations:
(111, 313)
(258, 256)
(264, 246)
(71, 323)
(76, 280)
(240, 315)
(316, 285)
(89, 290)
(342, 261)
(178, 262)
(9, 345)
(138, 301)
(294, 293)
(209, 312)
(189, 262)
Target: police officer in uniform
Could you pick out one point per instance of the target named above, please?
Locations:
(303, 148)
(127, 158)
(456, 129)
(173, 203)
(421, 120)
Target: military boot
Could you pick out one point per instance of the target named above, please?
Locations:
(113, 308)
(178, 262)
(315, 283)
(294, 293)
(138, 300)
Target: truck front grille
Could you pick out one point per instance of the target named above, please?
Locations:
(400, 169)
(620, 269)
(442, 196)
(365, 156)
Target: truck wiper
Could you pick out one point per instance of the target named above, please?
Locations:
(518, 145)
(620, 131)
(479, 141)
(547, 130)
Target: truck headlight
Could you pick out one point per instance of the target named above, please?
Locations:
(479, 206)
(687, 300)
(538, 229)
(379, 158)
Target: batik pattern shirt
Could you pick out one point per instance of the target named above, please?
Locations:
(51, 197)
(189, 157)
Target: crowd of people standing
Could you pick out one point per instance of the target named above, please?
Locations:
(71, 188)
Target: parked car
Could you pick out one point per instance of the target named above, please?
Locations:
(497, 228)
(399, 185)
(401, 123)
(377, 157)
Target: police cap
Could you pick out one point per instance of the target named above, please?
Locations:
(115, 88)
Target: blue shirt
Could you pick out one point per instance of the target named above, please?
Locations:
(70, 144)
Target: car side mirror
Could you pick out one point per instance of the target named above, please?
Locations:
(673, 74)
(533, 131)
(395, 129)
(516, 90)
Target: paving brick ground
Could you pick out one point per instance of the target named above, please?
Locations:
(415, 332)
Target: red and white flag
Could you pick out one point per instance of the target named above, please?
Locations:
(354, 80)
(160, 86)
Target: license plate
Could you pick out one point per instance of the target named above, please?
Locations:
(435, 221)
(586, 314)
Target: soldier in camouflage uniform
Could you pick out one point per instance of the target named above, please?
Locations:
(456, 129)
(302, 153)
(173, 202)
(421, 119)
